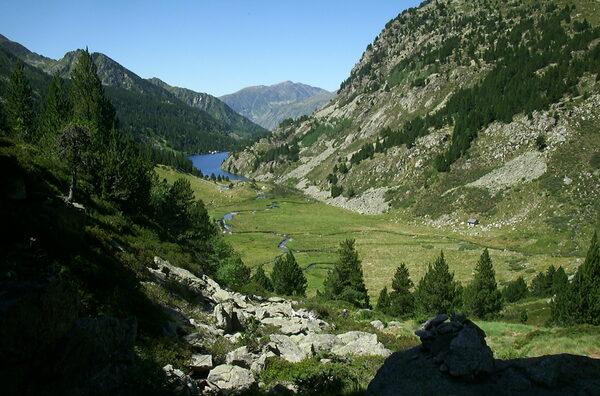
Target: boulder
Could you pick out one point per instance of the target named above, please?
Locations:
(184, 384)
(241, 357)
(201, 365)
(228, 318)
(359, 343)
(231, 379)
(378, 325)
(455, 360)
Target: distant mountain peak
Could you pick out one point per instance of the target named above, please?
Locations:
(268, 105)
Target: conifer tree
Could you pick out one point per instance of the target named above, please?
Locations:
(383, 302)
(73, 142)
(287, 277)
(559, 280)
(57, 110)
(233, 272)
(345, 281)
(261, 278)
(579, 301)
(515, 290)
(437, 291)
(19, 104)
(89, 102)
(482, 297)
(402, 301)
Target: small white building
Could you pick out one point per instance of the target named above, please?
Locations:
(472, 222)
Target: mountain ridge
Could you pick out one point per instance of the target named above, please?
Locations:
(268, 105)
(422, 128)
(173, 125)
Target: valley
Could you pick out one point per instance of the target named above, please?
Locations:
(383, 241)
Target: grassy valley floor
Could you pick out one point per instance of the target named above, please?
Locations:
(266, 215)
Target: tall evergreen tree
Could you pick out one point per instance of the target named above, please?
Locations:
(402, 301)
(261, 278)
(57, 109)
(383, 302)
(515, 290)
(579, 301)
(19, 104)
(287, 276)
(437, 291)
(482, 297)
(89, 102)
(73, 142)
(125, 174)
(345, 281)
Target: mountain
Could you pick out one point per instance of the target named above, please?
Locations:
(152, 113)
(213, 106)
(459, 110)
(269, 105)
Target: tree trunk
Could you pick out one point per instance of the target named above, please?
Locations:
(73, 185)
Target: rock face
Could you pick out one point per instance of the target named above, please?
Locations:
(231, 379)
(455, 360)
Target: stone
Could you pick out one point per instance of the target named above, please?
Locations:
(231, 379)
(454, 359)
(359, 343)
(378, 325)
(201, 365)
(240, 357)
(434, 321)
(184, 384)
(227, 317)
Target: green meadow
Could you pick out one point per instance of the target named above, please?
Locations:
(383, 241)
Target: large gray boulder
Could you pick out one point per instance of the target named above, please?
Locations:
(231, 379)
(455, 360)
(297, 347)
(201, 365)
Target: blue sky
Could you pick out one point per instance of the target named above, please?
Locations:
(209, 46)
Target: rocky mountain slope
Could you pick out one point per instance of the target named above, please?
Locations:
(458, 110)
(269, 105)
(150, 110)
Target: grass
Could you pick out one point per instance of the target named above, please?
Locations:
(383, 241)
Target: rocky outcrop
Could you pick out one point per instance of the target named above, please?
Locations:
(454, 359)
(230, 379)
(295, 334)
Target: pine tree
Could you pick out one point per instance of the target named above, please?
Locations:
(125, 174)
(437, 291)
(287, 277)
(482, 297)
(261, 278)
(89, 102)
(559, 280)
(19, 104)
(345, 281)
(57, 109)
(383, 302)
(515, 290)
(73, 143)
(579, 301)
(402, 301)
(233, 273)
